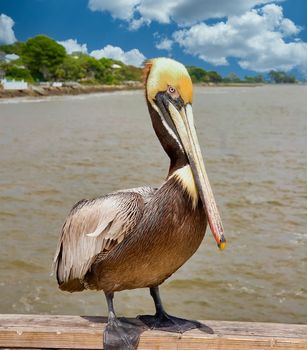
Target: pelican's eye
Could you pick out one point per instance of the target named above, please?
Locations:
(172, 91)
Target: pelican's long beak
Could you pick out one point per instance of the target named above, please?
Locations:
(182, 118)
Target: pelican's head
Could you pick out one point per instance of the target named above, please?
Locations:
(166, 74)
(169, 92)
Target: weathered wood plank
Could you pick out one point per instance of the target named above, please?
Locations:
(76, 332)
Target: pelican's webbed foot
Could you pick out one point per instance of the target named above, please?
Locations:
(120, 334)
(165, 322)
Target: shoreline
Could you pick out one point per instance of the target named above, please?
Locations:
(74, 90)
(42, 91)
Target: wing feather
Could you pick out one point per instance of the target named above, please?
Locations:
(94, 227)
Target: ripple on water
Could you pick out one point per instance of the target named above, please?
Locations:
(6, 214)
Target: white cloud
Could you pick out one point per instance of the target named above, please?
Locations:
(72, 45)
(133, 57)
(165, 44)
(254, 32)
(122, 9)
(7, 35)
(288, 27)
(135, 24)
(255, 38)
(183, 12)
(158, 10)
(188, 12)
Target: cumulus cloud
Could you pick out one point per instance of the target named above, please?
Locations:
(133, 57)
(158, 10)
(135, 24)
(7, 35)
(72, 45)
(220, 9)
(254, 32)
(183, 12)
(165, 44)
(256, 38)
(288, 27)
(122, 9)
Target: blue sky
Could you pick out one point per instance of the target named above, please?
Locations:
(242, 36)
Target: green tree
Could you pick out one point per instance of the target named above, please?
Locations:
(214, 77)
(129, 73)
(71, 69)
(255, 79)
(17, 73)
(232, 78)
(88, 70)
(280, 77)
(197, 74)
(15, 48)
(90, 67)
(106, 74)
(42, 56)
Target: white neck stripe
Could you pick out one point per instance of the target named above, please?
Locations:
(170, 131)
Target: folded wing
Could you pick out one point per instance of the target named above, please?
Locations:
(96, 226)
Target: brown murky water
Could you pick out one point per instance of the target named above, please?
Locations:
(56, 151)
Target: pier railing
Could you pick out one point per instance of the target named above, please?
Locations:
(77, 332)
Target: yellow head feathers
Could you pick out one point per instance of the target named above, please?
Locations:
(164, 72)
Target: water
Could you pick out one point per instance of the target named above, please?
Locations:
(58, 150)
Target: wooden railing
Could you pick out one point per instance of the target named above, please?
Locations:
(77, 332)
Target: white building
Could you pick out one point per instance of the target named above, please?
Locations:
(57, 84)
(14, 84)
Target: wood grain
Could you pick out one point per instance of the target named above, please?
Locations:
(77, 332)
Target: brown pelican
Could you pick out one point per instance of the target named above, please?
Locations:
(137, 238)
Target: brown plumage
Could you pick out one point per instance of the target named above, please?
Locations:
(133, 248)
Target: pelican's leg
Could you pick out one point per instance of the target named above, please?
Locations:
(119, 334)
(163, 321)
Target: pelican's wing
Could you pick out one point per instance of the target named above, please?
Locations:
(146, 192)
(95, 226)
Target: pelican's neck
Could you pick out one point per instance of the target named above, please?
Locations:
(185, 179)
(169, 142)
(179, 169)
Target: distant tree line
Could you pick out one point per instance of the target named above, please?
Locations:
(43, 59)
(200, 75)
(282, 77)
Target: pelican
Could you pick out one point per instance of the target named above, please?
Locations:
(137, 238)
